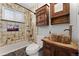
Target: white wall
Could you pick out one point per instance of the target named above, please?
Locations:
(73, 20)
(57, 29)
(78, 24)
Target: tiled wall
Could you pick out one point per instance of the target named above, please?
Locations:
(14, 36)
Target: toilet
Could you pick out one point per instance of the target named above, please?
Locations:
(33, 48)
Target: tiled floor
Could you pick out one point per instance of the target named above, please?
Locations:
(21, 52)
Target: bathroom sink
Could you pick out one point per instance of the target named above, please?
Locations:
(60, 38)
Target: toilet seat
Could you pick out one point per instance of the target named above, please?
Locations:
(32, 48)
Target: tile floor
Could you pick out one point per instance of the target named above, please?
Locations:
(21, 52)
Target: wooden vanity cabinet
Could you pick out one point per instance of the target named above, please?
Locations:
(47, 49)
(61, 52)
(60, 16)
(51, 48)
(42, 14)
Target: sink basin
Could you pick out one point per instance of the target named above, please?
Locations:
(60, 38)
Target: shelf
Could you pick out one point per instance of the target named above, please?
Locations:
(60, 20)
(65, 14)
(62, 16)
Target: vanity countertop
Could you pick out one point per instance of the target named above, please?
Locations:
(72, 47)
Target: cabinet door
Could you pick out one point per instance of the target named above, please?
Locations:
(61, 52)
(47, 49)
(42, 19)
(42, 16)
(7, 14)
(46, 52)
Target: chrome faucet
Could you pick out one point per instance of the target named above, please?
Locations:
(67, 29)
(70, 31)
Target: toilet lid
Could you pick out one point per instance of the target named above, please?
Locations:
(33, 47)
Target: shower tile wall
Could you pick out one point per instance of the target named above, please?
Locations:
(14, 36)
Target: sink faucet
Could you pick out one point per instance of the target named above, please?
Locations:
(70, 32)
(67, 29)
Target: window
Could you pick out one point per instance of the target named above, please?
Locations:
(12, 15)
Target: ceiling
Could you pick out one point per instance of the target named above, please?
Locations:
(32, 6)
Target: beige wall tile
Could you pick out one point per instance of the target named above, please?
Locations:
(15, 36)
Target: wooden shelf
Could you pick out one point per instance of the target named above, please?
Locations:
(60, 20)
(60, 17)
(65, 14)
